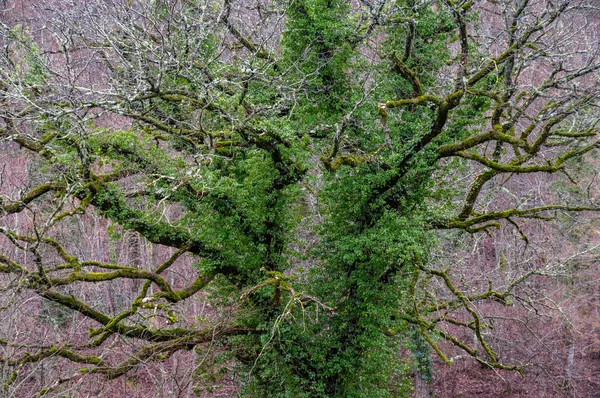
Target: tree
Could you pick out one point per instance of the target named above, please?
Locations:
(305, 162)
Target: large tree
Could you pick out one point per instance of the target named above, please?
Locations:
(304, 166)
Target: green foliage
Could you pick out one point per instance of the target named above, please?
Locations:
(316, 43)
(28, 63)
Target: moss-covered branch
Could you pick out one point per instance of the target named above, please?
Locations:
(535, 212)
(35, 193)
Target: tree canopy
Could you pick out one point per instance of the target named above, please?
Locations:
(309, 162)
